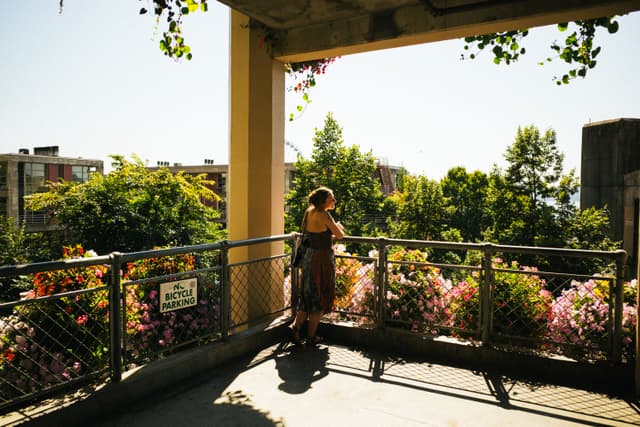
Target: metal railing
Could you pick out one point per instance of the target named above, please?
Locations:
(497, 301)
(99, 316)
(96, 317)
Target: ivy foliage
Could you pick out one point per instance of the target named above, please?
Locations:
(173, 44)
(577, 49)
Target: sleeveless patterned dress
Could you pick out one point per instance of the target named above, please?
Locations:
(318, 284)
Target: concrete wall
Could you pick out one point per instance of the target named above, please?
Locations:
(631, 199)
(610, 150)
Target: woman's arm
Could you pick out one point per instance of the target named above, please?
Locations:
(336, 228)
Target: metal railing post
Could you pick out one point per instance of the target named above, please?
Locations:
(486, 317)
(225, 281)
(295, 275)
(116, 309)
(616, 354)
(380, 282)
(637, 331)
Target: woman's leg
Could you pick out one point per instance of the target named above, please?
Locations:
(301, 316)
(314, 321)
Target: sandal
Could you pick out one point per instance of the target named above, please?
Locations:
(314, 340)
(296, 338)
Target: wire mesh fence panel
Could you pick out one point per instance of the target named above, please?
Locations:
(521, 304)
(49, 342)
(258, 291)
(581, 318)
(355, 288)
(422, 296)
(558, 312)
(170, 303)
(461, 296)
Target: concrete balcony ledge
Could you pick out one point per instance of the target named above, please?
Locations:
(246, 379)
(92, 402)
(602, 376)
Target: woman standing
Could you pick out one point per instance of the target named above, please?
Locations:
(317, 288)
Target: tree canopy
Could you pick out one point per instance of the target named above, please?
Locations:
(530, 201)
(347, 171)
(133, 208)
(421, 210)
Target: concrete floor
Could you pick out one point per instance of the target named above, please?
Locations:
(336, 386)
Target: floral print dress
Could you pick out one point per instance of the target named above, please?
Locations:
(318, 284)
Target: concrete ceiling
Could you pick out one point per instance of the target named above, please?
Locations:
(311, 29)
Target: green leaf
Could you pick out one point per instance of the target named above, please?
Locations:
(496, 60)
(299, 108)
(563, 26)
(613, 27)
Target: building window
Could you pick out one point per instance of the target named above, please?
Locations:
(79, 173)
(3, 175)
(3, 207)
(34, 178)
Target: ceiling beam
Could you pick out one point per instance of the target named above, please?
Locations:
(424, 23)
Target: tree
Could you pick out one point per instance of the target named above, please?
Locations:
(347, 171)
(133, 209)
(530, 202)
(467, 195)
(535, 166)
(421, 210)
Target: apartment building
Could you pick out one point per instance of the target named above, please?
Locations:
(25, 173)
(387, 175)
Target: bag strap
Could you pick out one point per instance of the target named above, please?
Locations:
(304, 223)
(304, 227)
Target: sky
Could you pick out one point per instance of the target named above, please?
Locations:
(93, 81)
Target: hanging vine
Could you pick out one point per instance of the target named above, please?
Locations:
(577, 50)
(304, 75)
(578, 47)
(172, 43)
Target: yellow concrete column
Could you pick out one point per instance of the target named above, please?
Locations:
(256, 152)
(256, 156)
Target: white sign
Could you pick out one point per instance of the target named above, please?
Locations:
(180, 294)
